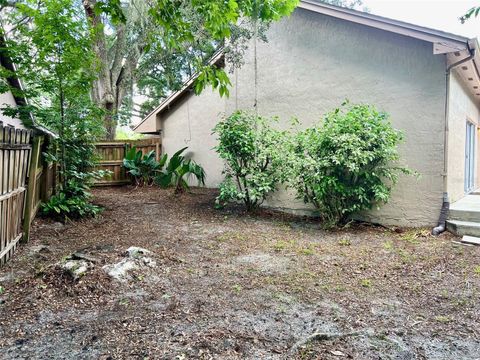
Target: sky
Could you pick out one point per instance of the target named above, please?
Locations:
(440, 15)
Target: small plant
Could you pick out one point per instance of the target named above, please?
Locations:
(237, 288)
(73, 201)
(477, 270)
(2, 290)
(347, 163)
(177, 170)
(143, 168)
(253, 154)
(306, 251)
(344, 242)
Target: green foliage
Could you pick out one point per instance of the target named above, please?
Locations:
(53, 57)
(346, 164)
(471, 13)
(252, 150)
(177, 169)
(143, 168)
(64, 206)
(187, 24)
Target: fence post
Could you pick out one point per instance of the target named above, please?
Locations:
(32, 174)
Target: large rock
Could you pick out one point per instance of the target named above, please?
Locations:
(120, 270)
(135, 259)
(76, 268)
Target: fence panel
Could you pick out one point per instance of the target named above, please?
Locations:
(111, 156)
(15, 150)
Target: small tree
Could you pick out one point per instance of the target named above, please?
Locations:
(252, 151)
(53, 58)
(347, 163)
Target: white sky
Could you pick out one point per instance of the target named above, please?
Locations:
(440, 15)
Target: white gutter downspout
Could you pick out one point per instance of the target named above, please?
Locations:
(441, 227)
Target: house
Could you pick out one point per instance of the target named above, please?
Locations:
(427, 80)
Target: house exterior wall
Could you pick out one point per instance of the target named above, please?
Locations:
(462, 108)
(190, 123)
(8, 99)
(309, 66)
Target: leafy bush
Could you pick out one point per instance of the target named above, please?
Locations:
(143, 168)
(177, 169)
(252, 150)
(347, 163)
(75, 152)
(65, 207)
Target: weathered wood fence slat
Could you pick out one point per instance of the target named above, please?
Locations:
(111, 154)
(15, 150)
(25, 181)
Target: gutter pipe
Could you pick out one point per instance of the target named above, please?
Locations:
(442, 221)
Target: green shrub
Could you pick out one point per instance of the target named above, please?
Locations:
(177, 169)
(143, 168)
(347, 163)
(76, 154)
(252, 151)
(71, 202)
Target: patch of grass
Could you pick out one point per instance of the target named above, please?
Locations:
(2, 290)
(237, 288)
(281, 245)
(306, 251)
(406, 256)
(388, 245)
(366, 283)
(476, 270)
(228, 236)
(444, 294)
(442, 319)
(344, 242)
(413, 236)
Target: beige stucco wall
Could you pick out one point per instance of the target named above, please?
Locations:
(462, 108)
(190, 123)
(8, 99)
(310, 65)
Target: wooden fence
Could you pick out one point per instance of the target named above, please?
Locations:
(111, 156)
(15, 150)
(25, 180)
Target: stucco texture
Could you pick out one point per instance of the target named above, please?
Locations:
(462, 108)
(190, 123)
(310, 65)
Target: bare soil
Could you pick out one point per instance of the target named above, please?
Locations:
(229, 285)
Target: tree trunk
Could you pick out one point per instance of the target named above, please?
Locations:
(117, 66)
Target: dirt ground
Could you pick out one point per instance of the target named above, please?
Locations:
(228, 285)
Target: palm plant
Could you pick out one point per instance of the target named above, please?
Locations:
(143, 168)
(177, 170)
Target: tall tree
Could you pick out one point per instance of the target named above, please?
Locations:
(180, 30)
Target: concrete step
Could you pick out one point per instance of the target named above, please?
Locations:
(459, 227)
(471, 240)
(464, 214)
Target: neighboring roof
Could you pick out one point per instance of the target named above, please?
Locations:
(15, 82)
(443, 43)
(216, 59)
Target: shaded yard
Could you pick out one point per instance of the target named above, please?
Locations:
(230, 286)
